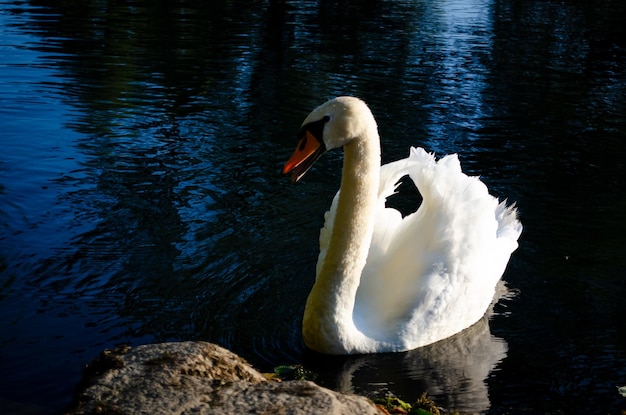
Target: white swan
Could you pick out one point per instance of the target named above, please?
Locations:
(386, 283)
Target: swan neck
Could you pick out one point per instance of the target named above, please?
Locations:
(328, 315)
(352, 231)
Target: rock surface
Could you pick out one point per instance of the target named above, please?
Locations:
(198, 378)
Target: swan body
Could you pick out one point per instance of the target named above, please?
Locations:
(386, 283)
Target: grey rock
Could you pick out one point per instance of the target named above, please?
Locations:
(198, 378)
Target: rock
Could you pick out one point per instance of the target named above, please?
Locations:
(199, 378)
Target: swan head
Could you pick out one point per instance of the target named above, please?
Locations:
(333, 124)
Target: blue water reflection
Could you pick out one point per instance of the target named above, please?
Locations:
(141, 201)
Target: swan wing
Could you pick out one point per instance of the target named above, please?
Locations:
(432, 273)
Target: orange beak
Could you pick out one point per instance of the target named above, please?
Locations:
(308, 151)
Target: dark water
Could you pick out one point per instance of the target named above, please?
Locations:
(141, 201)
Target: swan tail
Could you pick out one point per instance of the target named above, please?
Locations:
(509, 226)
(508, 222)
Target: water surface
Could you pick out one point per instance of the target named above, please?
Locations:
(141, 200)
